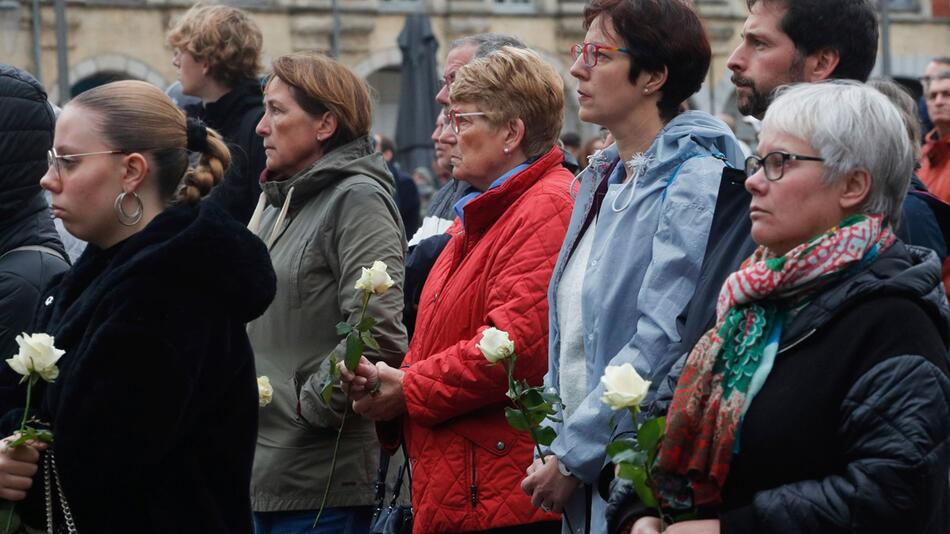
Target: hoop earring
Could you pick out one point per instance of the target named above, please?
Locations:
(125, 218)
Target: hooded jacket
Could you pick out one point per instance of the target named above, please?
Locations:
(154, 410)
(26, 134)
(322, 226)
(646, 256)
(235, 116)
(867, 449)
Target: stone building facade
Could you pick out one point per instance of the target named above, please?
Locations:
(114, 39)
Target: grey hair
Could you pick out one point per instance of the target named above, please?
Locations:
(486, 43)
(853, 127)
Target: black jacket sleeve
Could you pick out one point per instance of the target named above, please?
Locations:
(895, 422)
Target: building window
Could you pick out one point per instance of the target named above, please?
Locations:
(513, 6)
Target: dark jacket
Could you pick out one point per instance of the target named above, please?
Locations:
(235, 116)
(154, 412)
(851, 430)
(26, 134)
(925, 220)
(407, 199)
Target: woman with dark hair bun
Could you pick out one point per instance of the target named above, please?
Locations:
(635, 246)
(157, 365)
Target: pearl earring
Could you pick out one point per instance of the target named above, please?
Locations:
(506, 150)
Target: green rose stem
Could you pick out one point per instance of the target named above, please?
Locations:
(26, 412)
(336, 447)
(351, 364)
(634, 410)
(514, 393)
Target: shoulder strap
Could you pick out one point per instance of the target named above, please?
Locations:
(35, 248)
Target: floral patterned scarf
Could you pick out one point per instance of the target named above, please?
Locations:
(729, 365)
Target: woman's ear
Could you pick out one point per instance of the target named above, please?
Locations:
(655, 81)
(325, 127)
(855, 187)
(136, 169)
(514, 134)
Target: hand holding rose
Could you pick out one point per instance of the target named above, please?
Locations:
(376, 390)
(17, 467)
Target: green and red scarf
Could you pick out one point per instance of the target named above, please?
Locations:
(729, 365)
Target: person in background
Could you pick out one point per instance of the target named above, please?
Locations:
(407, 194)
(935, 155)
(935, 66)
(152, 321)
(731, 123)
(217, 53)
(842, 309)
(925, 219)
(30, 251)
(633, 253)
(426, 184)
(327, 211)
(448, 401)
(572, 143)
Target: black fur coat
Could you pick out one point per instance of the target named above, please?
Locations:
(154, 413)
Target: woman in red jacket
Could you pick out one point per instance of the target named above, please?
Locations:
(446, 401)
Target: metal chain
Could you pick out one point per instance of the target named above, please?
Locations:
(49, 465)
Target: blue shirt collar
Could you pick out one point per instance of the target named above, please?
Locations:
(460, 205)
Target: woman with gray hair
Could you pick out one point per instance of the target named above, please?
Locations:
(832, 304)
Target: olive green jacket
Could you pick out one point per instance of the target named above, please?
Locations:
(321, 227)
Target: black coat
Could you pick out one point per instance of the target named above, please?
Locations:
(235, 116)
(154, 413)
(851, 430)
(26, 133)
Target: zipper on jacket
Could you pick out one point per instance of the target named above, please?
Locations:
(798, 341)
(474, 488)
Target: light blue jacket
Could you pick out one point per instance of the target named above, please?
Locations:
(645, 259)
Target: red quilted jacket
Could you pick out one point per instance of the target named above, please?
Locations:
(467, 462)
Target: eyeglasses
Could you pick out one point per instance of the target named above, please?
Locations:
(454, 117)
(591, 52)
(774, 164)
(52, 158)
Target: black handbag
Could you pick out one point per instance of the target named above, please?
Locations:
(394, 518)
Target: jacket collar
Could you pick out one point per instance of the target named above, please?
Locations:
(355, 157)
(902, 269)
(485, 209)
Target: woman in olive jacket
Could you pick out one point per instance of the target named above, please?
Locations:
(327, 211)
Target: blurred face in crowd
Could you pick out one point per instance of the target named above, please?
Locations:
(799, 205)
(289, 132)
(192, 74)
(938, 104)
(766, 58)
(605, 94)
(933, 69)
(442, 150)
(456, 59)
(84, 188)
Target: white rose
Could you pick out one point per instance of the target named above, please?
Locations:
(495, 345)
(623, 387)
(265, 393)
(38, 355)
(375, 279)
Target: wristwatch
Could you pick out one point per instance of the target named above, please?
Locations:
(563, 469)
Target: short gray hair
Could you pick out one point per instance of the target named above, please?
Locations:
(486, 43)
(852, 127)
